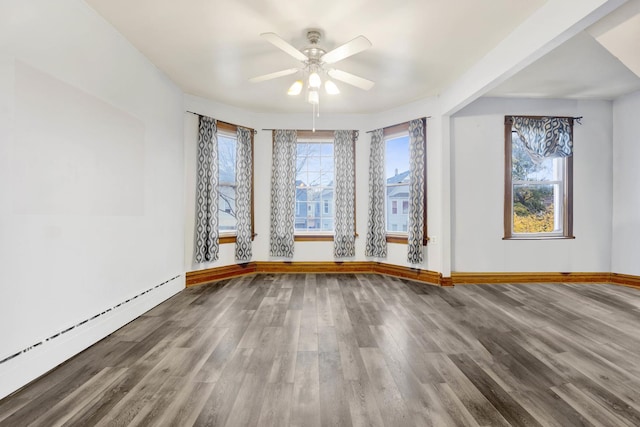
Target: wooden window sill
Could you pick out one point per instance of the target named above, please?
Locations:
(403, 239)
(539, 238)
(313, 238)
(231, 238)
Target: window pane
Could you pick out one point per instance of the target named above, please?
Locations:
(227, 208)
(397, 176)
(536, 208)
(397, 198)
(226, 159)
(525, 169)
(326, 150)
(314, 182)
(227, 183)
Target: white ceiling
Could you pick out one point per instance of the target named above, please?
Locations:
(210, 48)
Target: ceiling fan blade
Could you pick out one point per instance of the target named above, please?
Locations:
(351, 79)
(356, 45)
(281, 44)
(275, 75)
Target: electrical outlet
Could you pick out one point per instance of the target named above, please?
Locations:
(433, 240)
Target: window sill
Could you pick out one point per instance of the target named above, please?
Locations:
(403, 239)
(231, 238)
(313, 238)
(539, 238)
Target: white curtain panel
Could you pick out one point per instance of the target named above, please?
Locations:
(415, 229)
(376, 245)
(206, 239)
(344, 239)
(283, 193)
(244, 167)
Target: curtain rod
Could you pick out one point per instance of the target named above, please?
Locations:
(386, 127)
(577, 119)
(255, 132)
(311, 130)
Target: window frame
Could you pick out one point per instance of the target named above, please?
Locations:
(230, 236)
(323, 135)
(395, 131)
(567, 190)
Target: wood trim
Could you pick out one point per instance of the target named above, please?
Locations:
(313, 238)
(218, 273)
(625, 280)
(508, 186)
(417, 274)
(212, 274)
(391, 238)
(446, 281)
(479, 278)
(426, 276)
(313, 267)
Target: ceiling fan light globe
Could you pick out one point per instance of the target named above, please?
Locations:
(313, 97)
(331, 88)
(295, 88)
(314, 80)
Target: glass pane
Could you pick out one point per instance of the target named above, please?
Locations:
(227, 159)
(313, 163)
(536, 209)
(525, 169)
(326, 179)
(397, 198)
(397, 159)
(227, 208)
(314, 197)
(326, 150)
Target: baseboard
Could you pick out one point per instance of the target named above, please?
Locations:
(625, 280)
(420, 275)
(529, 277)
(29, 364)
(313, 267)
(218, 273)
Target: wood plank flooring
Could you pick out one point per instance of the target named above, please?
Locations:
(362, 350)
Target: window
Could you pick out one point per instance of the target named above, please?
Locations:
(397, 176)
(314, 183)
(538, 195)
(226, 182)
(227, 141)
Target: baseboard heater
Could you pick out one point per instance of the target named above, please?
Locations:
(92, 318)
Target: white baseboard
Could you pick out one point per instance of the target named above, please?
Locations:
(39, 359)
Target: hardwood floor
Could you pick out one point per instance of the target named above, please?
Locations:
(363, 350)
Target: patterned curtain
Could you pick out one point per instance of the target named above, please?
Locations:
(545, 137)
(415, 230)
(376, 230)
(344, 239)
(244, 163)
(206, 240)
(283, 193)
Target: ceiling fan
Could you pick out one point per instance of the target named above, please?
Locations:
(315, 65)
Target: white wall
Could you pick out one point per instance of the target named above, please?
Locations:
(91, 183)
(626, 186)
(478, 190)
(310, 251)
